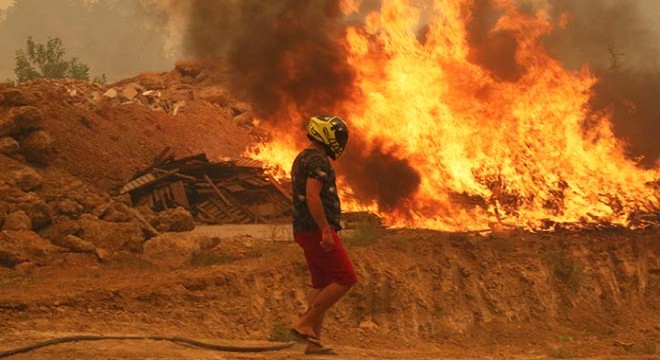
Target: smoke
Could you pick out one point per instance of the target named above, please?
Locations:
(379, 176)
(278, 52)
(494, 51)
(118, 38)
(287, 57)
(618, 40)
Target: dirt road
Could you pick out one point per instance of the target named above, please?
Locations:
(422, 295)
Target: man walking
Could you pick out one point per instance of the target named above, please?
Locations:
(316, 213)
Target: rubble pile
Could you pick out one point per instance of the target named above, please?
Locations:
(68, 146)
(236, 191)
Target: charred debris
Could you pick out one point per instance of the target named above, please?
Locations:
(236, 191)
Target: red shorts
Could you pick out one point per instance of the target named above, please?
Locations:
(326, 267)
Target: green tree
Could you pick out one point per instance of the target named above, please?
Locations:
(47, 61)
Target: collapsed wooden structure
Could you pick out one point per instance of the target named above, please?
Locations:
(236, 191)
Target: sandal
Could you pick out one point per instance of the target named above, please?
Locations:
(310, 338)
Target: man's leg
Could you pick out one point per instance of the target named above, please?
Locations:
(311, 347)
(310, 302)
(327, 297)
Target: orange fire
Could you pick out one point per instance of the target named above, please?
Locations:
(528, 150)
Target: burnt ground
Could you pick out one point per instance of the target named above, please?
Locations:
(422, 295)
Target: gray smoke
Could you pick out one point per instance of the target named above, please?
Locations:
(620, 40)
(119, 38)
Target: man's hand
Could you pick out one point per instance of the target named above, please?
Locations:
(327, 240)
(316, 209)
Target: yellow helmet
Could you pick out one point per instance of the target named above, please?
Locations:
(330, 131)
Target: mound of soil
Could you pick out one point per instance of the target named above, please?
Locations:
(103, 137)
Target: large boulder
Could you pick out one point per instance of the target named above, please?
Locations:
(75, 244)
(15, 97)
(10, 193)
(177, 250)
(68, 207)
(8, 126)
(18, 247)
(176, 220)
(27, 117)
(27, 179)
(60, 229)
(9, 146)
(111, 235)
(37, 209)
(18, 220)
(37, 146)
(112, 211)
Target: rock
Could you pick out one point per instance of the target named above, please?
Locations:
(15, 97)
(27, 179)
(111, 93)
(37, 146)
(60, 229)
(95, 96)
(112, 211)
(25, 267)
(176, 220)
(21, 246)
(37, 209)
(10, 193)
(130, 91)
(27, 117)
(17, 220)
(69, 207)
(9, 146)
(75, 244)
(8, 126)
(176, 250)
(188, 68)
(111, 235)
(152, 83)
(147, 229)
(368, 325)
(103, 255)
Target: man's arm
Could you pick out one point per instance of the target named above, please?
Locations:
(315, 206)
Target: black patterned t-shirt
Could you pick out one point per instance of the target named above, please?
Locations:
(311, 163)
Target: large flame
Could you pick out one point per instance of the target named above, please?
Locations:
(524, 152)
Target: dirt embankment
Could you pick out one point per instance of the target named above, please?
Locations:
(541, 295)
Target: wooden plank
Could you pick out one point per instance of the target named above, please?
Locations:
(217, 191)
(248, 163)
(279, 187)
(254, 181)
(137, 183)
(205, 213)
(179, 194)
(177, 173)
(220, 207)
(234, 187)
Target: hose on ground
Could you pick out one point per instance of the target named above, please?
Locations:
(176, 339)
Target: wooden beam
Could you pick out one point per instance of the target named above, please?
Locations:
(217, 191)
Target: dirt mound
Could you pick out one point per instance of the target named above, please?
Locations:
(104, 134)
